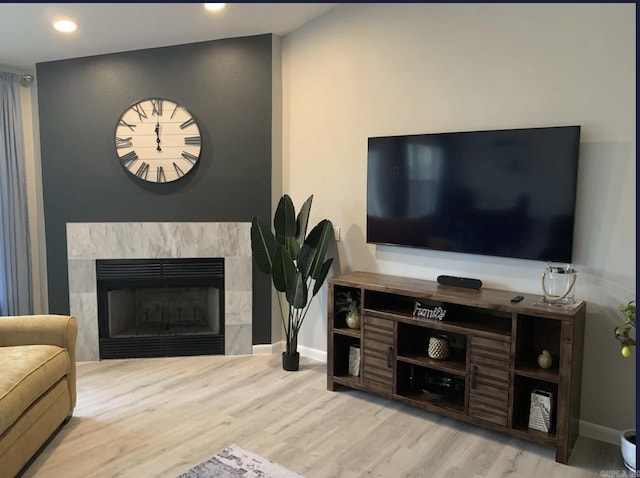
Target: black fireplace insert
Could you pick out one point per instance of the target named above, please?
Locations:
(160, 307)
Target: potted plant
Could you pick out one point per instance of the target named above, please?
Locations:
(628, 437)
(349, 301)
(296, 263)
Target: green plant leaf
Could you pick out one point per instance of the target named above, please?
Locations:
(629, 310)
(284, 220)
(284, 269)
(321, 275)
(293, 247)
(263, 245)
(311, 257)
(297, 293)
(303, 220)
(347, 300)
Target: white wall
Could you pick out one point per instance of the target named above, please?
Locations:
(381, 69)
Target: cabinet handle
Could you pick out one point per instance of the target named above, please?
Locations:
(389, 354)
(474, 369)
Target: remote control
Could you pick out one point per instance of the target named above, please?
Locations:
(517, 298)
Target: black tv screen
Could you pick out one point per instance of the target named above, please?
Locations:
(506, 193)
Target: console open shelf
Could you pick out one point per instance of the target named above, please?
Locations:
(493, 345)
(348, 332)
(455, 365)
(455, 410)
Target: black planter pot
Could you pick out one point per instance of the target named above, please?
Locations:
(290, 362)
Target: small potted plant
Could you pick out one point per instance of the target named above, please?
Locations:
(349, 301)
(628, 437)
(622, 332)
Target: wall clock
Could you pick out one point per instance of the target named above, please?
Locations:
(157, 140)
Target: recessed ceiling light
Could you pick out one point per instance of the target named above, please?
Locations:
(65, 26)
(214, 7)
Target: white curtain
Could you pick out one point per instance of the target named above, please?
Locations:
(16, 292)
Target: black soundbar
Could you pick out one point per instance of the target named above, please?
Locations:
(460, 282)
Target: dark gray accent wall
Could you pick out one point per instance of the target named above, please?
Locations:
(225, 84)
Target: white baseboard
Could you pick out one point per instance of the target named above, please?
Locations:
(598, 432)
(315, 354)
(278, 347)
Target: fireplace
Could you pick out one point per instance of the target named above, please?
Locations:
(88, 242)
(160, 307)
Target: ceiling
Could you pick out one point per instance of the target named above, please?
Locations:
(27, 36)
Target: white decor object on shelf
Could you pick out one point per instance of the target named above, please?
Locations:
(438, 347)
(354, 360)
(540, 411)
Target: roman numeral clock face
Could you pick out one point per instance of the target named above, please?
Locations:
(157, 140)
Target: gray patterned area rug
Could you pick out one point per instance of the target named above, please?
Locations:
(236, 462)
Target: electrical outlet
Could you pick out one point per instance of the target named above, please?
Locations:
(336, 233)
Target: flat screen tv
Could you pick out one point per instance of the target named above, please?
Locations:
(507, 193)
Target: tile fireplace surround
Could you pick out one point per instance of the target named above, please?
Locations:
(87, 242)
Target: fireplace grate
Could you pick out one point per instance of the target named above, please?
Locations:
(159, 269)
(161, 346)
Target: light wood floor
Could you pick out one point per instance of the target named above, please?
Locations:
(148, 418)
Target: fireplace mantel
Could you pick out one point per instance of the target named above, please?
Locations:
(87, 242)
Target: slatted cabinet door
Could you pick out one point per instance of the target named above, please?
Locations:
(378, 358)
(489, 380)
